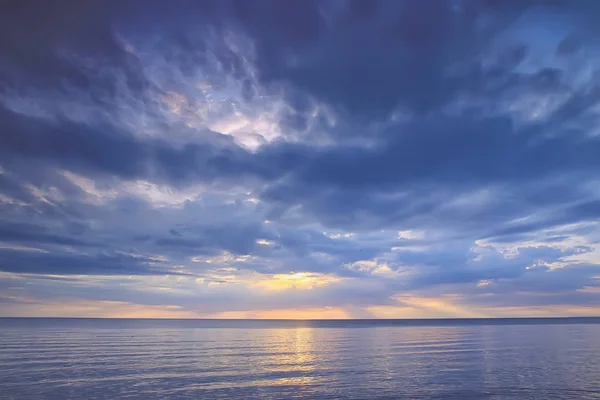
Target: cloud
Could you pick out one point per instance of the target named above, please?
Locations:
(375, 158)
(17, 260)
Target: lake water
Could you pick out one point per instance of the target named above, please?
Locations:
(164, 359)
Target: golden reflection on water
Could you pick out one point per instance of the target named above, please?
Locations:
(291, 355)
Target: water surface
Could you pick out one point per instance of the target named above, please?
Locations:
(166, 359)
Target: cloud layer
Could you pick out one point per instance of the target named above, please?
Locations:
(252, 159)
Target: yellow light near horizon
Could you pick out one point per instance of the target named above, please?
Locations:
(444, 306)
(420, 308)
(298, 280)
(288, 313)
(96, 309)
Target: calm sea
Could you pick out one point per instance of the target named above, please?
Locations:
(215, 359)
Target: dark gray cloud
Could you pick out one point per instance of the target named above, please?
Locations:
(460, 267)
(31, 233)
(366, 58)
(109, 263)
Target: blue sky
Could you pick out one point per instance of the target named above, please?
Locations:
(299, 159)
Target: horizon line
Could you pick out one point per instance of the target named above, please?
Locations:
(309, 319)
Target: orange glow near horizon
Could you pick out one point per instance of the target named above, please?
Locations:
(407, 308)
(290, 313)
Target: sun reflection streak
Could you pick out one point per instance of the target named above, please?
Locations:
(293, 357)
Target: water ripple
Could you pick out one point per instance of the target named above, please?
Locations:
(54, 359)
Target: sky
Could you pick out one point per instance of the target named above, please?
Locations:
(299, 159)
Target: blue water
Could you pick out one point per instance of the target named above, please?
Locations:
(164, 359)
